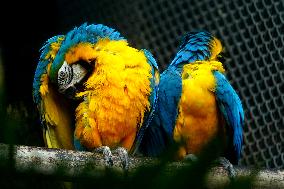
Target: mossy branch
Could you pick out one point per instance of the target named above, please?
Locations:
(71, 165)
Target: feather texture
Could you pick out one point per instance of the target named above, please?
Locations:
(159, 133)
(55, 116)
(120, 83)
(230, 106)
(194, 100)
(83, 34)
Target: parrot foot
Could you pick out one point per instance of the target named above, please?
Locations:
(123, 156)
(190, 157)
(105, 150)
(228, 166)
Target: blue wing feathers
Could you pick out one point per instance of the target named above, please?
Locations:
(231, 108)
(169, 96)
(150, 58)
(42, 67)
(160, 131)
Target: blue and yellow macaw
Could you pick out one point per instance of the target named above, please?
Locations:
(196, 102)
(112, 86)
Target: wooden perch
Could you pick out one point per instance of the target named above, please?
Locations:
(45, 161)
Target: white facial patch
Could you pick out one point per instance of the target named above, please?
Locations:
(69, 76)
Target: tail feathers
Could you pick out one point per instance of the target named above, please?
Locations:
(50, 138)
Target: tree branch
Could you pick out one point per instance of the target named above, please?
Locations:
(45, 161)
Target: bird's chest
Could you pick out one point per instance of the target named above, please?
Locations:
(197, 121)
(198, 96)
(118, 101)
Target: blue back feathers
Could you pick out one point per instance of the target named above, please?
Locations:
(85, 33)
(194, 46)
(42, 67)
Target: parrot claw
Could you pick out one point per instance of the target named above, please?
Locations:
(228, 166)
(190, 158)
(107, 154)
(123, 156)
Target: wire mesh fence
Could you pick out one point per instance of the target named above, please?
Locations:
(252, 33)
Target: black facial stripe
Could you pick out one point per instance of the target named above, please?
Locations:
(70, 75)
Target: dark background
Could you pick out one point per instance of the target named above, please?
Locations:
(252, 32)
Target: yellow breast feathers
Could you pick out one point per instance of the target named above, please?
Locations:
(198, 118)
(116, 96)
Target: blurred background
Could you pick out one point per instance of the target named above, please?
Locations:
(252, 32)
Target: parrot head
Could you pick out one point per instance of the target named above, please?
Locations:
(75, 59)
(71, 77)
(198, 46)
